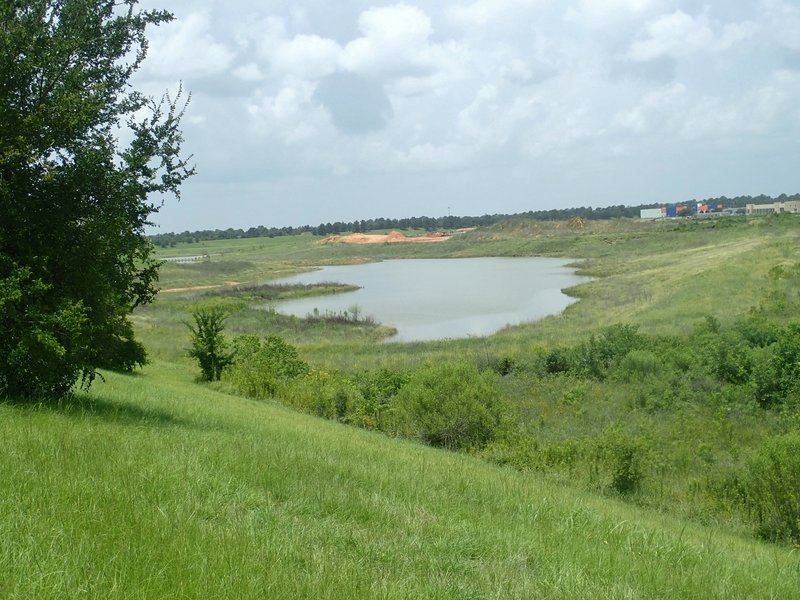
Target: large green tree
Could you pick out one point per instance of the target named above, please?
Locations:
(74, 199)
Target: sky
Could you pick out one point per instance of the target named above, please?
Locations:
(312, 111)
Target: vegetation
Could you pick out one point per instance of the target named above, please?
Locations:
(637, 391)
(209, 346)
(74, 260)
(153, 486)
(643, 443)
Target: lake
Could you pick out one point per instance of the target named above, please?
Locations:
(430, 299)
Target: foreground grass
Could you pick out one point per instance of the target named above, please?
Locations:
(155, 487)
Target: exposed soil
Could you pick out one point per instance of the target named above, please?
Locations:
(188, 289)
(393, 237)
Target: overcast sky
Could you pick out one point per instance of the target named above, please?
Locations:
(310, 111)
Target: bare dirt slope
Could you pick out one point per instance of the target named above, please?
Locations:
(393, 237)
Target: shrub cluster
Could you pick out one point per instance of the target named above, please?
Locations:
(716, 376)
(263, 368)
(757, 355)
(454, 406)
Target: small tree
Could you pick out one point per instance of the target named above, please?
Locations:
(209, 346)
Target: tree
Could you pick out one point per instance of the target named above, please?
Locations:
(74, 200)
(209, 346)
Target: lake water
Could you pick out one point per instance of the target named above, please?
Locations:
(429, 299)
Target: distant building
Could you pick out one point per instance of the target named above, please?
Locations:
(793, 206)
(652, 213)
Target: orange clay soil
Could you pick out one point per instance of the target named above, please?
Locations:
(197, 287)
(393, 237)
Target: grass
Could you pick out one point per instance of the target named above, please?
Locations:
(153, 487)
(661, 276)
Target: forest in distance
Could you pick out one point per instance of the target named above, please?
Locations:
(446, 222)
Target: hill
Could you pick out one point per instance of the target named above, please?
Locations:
(154, 487)
(636, 415)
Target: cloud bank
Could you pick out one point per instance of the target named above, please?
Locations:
(306, 112)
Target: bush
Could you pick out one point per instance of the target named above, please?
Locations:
(320, 393)
(377, 393)
(622, 457)
(558, 360)
(41, 350)
(260, 368)
(771, 488)
(595, 357)
(452, 406)
(777, 376)
(639, 366)
(732, 359)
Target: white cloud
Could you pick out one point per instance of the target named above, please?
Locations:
(186, 48)
(679, 35)
(395, 41)
(653, 113)
(289, 91)
(263, 34)
(482, 12)
(286, 115)
(249, 72)
(428, 156)
(309, 56)
(782, 22)
(673, 35)
(600, 13)
(673, 112)
(767, 107)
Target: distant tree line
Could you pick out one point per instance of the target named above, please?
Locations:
(448, 222)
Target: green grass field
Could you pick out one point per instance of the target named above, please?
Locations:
(154, 485)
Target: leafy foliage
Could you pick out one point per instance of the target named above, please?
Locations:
(453, 406)
(74, 203)
(771, 488)
(261, 366)
(209, 346)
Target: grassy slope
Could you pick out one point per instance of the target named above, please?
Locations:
(154, 487)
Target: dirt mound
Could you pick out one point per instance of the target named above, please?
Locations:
(393, 237)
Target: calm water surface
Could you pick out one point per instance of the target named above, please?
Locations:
(429, 299)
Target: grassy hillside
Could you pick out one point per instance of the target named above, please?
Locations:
(154, 487)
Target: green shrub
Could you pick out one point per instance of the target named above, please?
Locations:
(321, 393)
(621, 457)
(771, 488)
(732, 359)
(595, 357)
(377, 392)
(209, 346)
(453, 406)
(558, 360)
(758, 331)
(640, 365)
(260, 368)
(777, 375)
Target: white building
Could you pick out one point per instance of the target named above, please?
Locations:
(792, 206)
